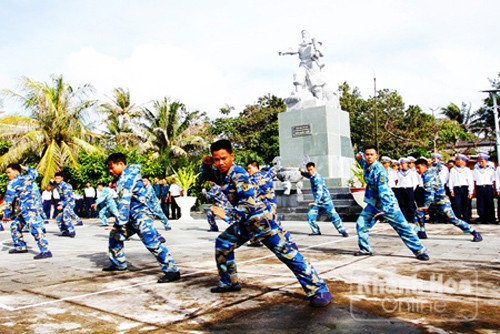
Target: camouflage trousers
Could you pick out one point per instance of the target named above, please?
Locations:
(444, 211)
(398, 222)
(211, 220)
(64, 219)
(327, 207)
(237, 234)
(143, 226)
(36, 228)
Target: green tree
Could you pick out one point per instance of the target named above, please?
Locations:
(120, 114)
(484, 121)
(360, 115)
(450, 133)
(170, 130)
(454, 113)
(54, 133)
(400, 130)
(92, 168)
(254, 132)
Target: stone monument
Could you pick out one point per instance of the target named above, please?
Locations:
(314, 125)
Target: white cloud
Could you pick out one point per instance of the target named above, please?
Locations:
(152, 72)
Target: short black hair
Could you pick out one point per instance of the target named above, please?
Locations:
(99, 184)
(310, 163)
(116, 158)
(222, 144)
(15, 167)
(253, 163)
(370, 147)
(422, 161)
(60, 173)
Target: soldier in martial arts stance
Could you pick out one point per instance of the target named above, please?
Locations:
(251, 218)
(436, 199)
(381, 202)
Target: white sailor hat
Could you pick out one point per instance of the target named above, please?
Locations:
(385, 159)
(436, 156)
(483, 156)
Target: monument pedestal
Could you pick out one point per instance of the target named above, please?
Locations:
(322, 134)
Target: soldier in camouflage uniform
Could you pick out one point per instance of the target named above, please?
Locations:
(436, 199)
(251, 218)
(154, 204)
(20, 188)
(262, 179)
(322, 201)
(135, 217)
(381, 202)
(105, 203)
(217, 195)
(66, 206)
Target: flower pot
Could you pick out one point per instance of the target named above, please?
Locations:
(359, 195)
(185, 203)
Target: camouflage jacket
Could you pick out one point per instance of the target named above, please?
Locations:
(131, 192)
(21, 188)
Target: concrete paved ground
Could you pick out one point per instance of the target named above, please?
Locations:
(456, 291)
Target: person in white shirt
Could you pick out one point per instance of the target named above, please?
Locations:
(90, 196)
(419, 189)
(484, 175)
(175, 191)
(411, 163)
(47, 201)
(497, 189)
(461, 185)
(387, 162)
(406, 182)
(56, 198)
(440, 166)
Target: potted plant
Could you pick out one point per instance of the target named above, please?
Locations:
(357, 184)
(186, 178)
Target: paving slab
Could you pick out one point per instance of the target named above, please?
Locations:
(456, 291)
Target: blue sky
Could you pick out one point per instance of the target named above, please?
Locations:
(211, 53)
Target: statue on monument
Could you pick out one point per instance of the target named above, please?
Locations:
(309, 80)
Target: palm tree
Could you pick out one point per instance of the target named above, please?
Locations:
(453, 112)
(168, 126)
(54, 131)
(120, 114)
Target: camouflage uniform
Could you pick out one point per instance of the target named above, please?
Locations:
(38, 199)
(264, 185)
(380, 198)
(155, 206)
(21, 189)
(322, 201)
(435, 198)
(135, 217)
(263, 179)
(67, 214)
(252, 219)
(106, 205)
(217, 195)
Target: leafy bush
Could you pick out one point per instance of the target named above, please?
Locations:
(186, 177)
